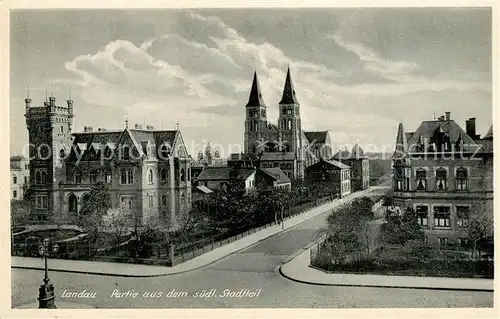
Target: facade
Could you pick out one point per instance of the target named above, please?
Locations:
(272, 178)
(332, 171)
(360, 167)
(19, 176)
(446, 175)
(298, 147)
(145, 170)
(218, 178)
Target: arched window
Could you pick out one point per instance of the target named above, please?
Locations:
(38, 177)
(163, 175)
(421, 179)
(183, 175)
(441, 179)
(62, 154)
(61, 129)
(461, 179)
(73, 203)
(44, 177)
(188, 174)
(126, 152)
(108, 153)
(150, 177)
(78, 177)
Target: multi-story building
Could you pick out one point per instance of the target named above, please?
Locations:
(145, 170)
(333, 172)
(288, 143)
(19, 171)
(360, 167)
(446, 175)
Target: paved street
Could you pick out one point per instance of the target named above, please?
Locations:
(254, 268)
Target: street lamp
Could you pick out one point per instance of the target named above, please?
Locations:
(46, 295)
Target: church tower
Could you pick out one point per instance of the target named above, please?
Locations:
(49, 130)
(401, 164)
(289, 124)
(255, 120)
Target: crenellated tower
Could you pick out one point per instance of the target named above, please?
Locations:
(49, 129)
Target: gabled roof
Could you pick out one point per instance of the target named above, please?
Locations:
(427, 129)
(278, 156)
(489, 134)
(277, 174)
(288, 91)
(224, 173)
(255, 98)
(318, 136)
(336, 164)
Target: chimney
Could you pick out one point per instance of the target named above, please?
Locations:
(447, 115)
(150, 127)
(87, 129)
(138, 127)
(470, 127)
(101, 129)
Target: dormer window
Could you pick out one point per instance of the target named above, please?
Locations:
(421, 179)
(461, 178)
(126, 153)
(441, 179)
(165, 151)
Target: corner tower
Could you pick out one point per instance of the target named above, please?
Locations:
(255, 119)
(49, 131)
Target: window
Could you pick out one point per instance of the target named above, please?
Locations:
(150, 177)
(443, 240)
(62, 154)
(463, 242)
(14, 194)
(107, 152)
(38, 177)
(164, 200)
(461, 179)
(441, 179)
(107, 177)
(126, 177)
(61, 129)
(422, 215)
(165, 151)
(151, 199)
(44, 177)
(163, 175)
(15, 180)
(72, 203)
(421, 179)
(126, 153)
(25, 180)
(78, 177)
(93, 177)
(188, 174)
(183, 175)
(398, 179)
(127, 201)
(463, 213)
(41, 201)
(441, 216)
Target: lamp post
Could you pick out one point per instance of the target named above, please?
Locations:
(46, 295)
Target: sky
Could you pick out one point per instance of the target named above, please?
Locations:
(357, 72)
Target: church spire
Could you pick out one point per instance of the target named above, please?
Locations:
(401, 143)
(255, 98)
(288, 91)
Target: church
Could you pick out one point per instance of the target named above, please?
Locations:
(285, 145)
(146, 171)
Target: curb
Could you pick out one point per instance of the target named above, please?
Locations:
(168, 274)
(367, 285)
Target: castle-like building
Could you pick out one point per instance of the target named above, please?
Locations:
(285, 145)
(446, 175)
(146, 171)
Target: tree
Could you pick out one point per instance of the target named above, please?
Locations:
(19, 212)
(364, 206)
(116, 220)
(480, 228)
(90, 217)
(400, 229)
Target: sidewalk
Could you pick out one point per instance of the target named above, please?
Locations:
(134, 270)
(297, 269)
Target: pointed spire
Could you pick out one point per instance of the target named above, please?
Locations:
(401, 143)
(126, 123)
(255, 98)
(27, 91)
(289, 90)
(177, 126)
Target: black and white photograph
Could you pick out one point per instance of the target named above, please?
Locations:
(250, 157)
